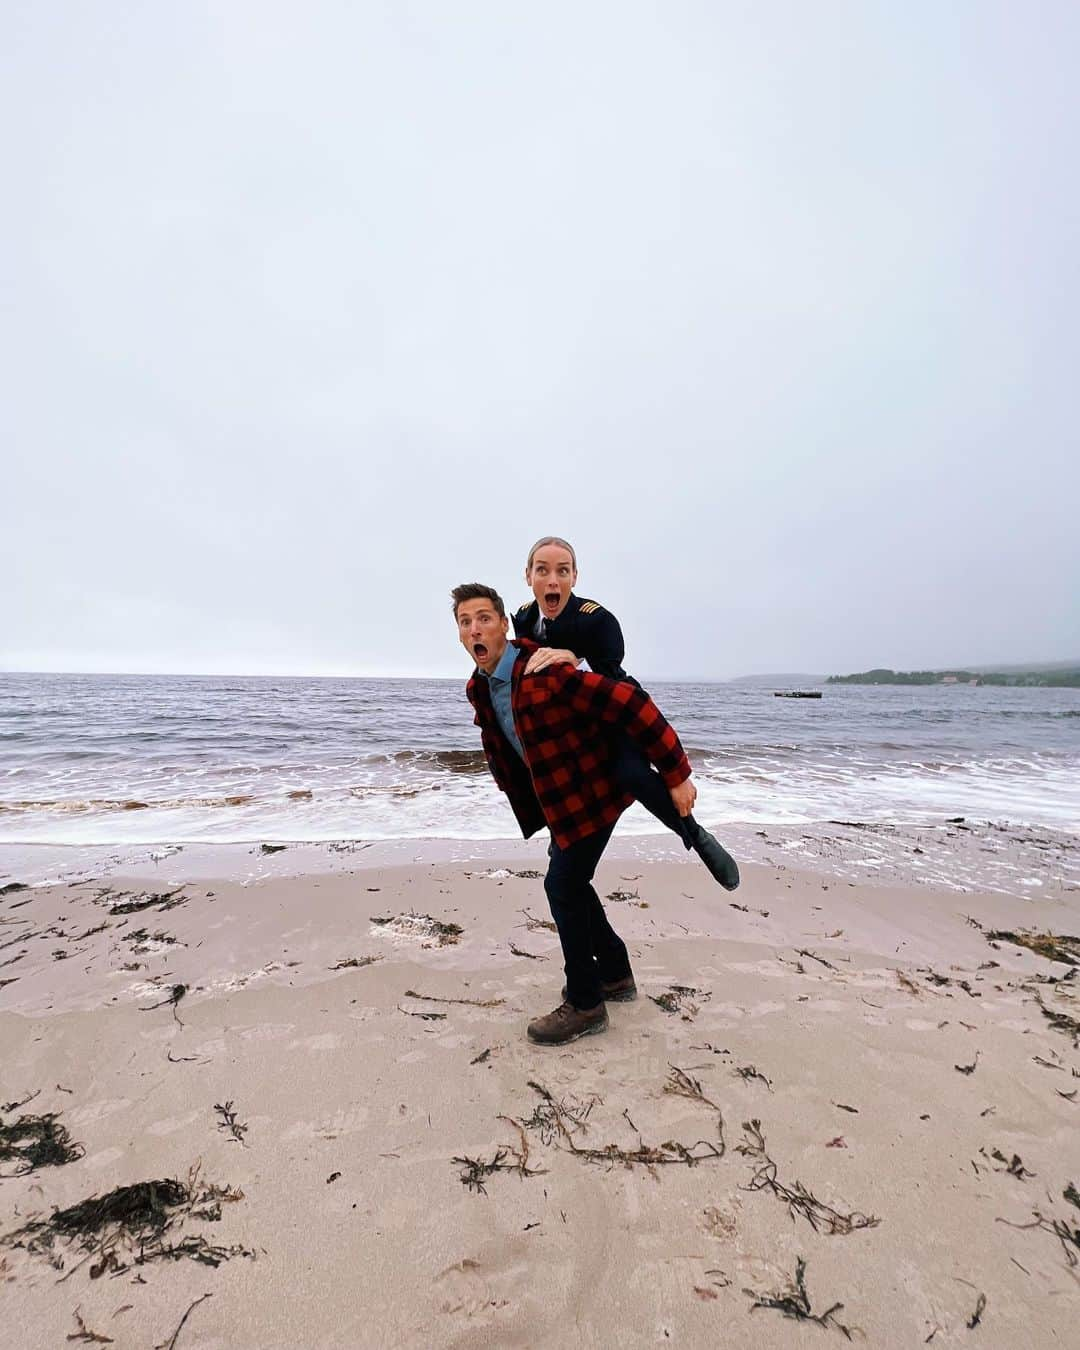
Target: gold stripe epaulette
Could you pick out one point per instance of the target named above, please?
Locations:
(524, 607)
(589, 607)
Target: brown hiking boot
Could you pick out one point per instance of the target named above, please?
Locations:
(615, 991)
(567, 1023)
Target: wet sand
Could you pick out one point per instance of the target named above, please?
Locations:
(843, 1017)
(954, 854)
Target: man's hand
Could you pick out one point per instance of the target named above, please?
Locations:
(547, 656)
(683, 797)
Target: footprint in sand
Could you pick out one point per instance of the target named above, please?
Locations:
(454, 1040)
(347, 1121)
(85, 1115)
(721, 1222)
(164, 1032)
(170, 1126)
(268, 1031)
(104, 1158)
(464, 1290)
(737, 1011)
(326, 1040)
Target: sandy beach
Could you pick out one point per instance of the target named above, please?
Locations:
(849, 1075)
(644, 428)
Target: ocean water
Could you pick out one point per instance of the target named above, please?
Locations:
(114, 760)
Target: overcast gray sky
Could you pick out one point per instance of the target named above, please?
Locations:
(311, 312)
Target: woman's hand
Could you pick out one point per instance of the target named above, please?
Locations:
(547, 656)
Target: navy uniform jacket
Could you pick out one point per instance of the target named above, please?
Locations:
(584, 628)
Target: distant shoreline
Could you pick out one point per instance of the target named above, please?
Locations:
(1067, 678)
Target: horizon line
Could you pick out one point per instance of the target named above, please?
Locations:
(981, 667)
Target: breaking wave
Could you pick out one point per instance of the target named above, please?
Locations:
(376, 759)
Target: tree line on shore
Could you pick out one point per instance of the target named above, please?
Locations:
(1048, 679)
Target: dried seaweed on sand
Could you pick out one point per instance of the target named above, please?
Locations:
(161, 901)
(651, 1156)
(474, 1171)
(1054, 946)
(794, 1302)
(934, 978)
(749, 1071)
(8, 1107)
(1014, 1166)
(230, 1123)
(820, 1216)
(469, 1002)
(1068, 1236)
(803, 951)
(133, 1225)
(680, 1084)
(424, 1016)
(33, 1141)
(84, 1334)
(558, 1122)
(175, 994)
(676, 996)
(171, 1342)
(91, 932)
(976, 1317)
(1062, 1022)
(554, 1117)
(532, 923)
(141, 939)
(520, 951)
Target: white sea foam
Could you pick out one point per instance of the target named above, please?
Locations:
(126, 761)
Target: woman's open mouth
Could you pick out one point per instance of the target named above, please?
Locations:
(552, 599)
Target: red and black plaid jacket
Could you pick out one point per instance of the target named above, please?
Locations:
(564, 719)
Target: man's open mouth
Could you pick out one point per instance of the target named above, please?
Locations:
(479, 650)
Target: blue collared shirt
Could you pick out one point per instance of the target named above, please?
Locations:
(499, 684)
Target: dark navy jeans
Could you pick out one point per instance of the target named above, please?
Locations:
(592, 950)
(634, 774)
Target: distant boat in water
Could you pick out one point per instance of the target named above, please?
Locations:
(797, 693)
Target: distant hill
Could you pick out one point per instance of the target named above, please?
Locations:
(1052, 675)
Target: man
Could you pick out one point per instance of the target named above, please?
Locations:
(548, 737)
(571, 629)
